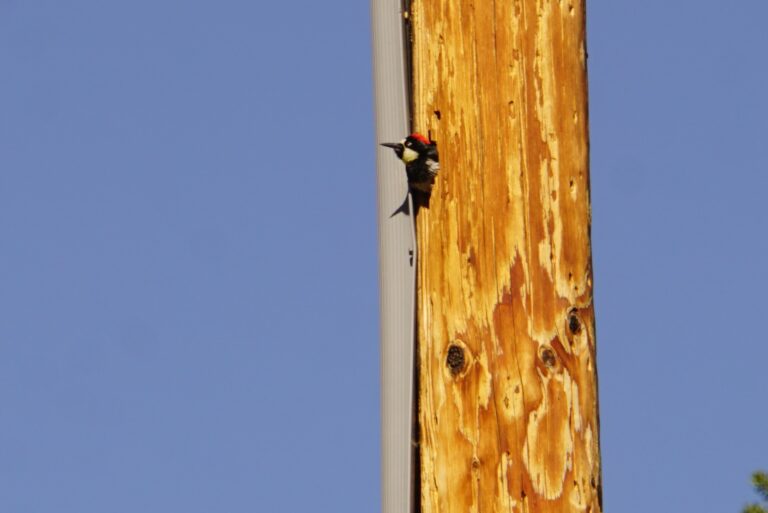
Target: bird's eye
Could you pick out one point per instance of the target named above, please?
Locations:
(408, 144)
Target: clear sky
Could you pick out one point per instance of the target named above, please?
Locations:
(188, 269)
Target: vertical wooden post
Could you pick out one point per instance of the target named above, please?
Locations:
(508, 392)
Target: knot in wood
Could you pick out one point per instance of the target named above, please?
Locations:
(548, 356)
(455, 359)
(574, 323)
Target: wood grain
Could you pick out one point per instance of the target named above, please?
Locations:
(507, 382)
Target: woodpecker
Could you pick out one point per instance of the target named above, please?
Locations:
(421, 165)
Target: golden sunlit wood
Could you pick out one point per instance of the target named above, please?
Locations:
(507, 383)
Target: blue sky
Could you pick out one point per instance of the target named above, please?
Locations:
(188, 273)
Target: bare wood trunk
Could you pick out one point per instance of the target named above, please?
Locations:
(508, 392)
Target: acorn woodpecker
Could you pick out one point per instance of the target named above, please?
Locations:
(421, 165)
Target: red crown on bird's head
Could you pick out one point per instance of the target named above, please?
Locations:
(419, 138)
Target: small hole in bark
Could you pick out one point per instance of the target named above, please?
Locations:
(548, 356)
(455, 359)
(437, 114)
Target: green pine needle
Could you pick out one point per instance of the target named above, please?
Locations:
(760, 481)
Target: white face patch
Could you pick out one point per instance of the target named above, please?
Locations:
(409, 155)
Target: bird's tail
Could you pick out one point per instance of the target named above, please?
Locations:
(420, 199)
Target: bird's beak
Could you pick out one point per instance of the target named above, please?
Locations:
(394, 146)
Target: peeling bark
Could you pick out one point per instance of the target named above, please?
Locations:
(507, 382)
